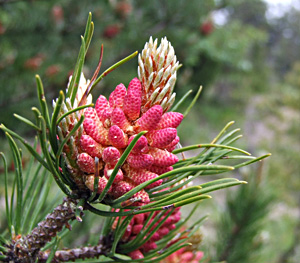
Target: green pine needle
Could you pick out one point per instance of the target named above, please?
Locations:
(193, 102)
(36, 155)
(8, 215)
(113, 67)
(28, 122)
(19, 182)
(42, 100)
(178, 104)
(53, 250)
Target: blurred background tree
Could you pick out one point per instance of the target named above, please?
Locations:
(246, 58)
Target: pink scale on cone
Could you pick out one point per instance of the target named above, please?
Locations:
(155, 237)
(91, 114)
(170, 120)
(137, 229)
(140, 161)
(140, 176)
(150, 119)
(118, 118)
(121, 188)
(187, 256)
(173, 144)
(86, 163)
(108, 172)
(171, 227)
(101, 184)
(106, 117)
(160, 170)
(163, 231)
(111, 155)
(161, 138)
(139, 219)
(143, 196)
(132, 100)
(117, 137)
(116, 98)
(101, 105)
(136, 254)
(127, 233)
(90, 146)
(149, 246)
(141, 145)
(96, 130)
(162, 157)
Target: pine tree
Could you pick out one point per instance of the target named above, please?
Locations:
(118, 159)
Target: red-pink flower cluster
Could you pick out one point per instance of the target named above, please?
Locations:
(108, 130)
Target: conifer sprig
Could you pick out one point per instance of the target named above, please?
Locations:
(157, 199)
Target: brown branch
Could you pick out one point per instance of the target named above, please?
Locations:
(74, 254)
(26, 249)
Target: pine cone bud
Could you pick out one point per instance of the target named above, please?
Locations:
(157, 73)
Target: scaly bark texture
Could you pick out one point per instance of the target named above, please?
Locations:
(26, 249)
(76, 253)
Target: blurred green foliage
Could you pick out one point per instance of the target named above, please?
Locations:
(46, 43)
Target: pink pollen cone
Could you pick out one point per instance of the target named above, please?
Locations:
(101, 184)
(140, 161)
(132, 100)
(90, 146)
(101, 105)
(140, 176)
(136, 254)
(141, 145)
(118, 118)
(161, 138)
(96, 130)
(86, 163)
(173, 144)
(116, 98)
(117, 137)
(160, 170)
(170, 120)
(111, 155)
(108, 171)
(162, 157)
(150, 119)
(91, 114)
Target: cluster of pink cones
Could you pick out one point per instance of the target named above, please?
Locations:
(92, 153)
(111, 125)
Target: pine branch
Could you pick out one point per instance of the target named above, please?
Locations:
(235, 232)
(76, 253)
(26, 249)
(244, 221)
